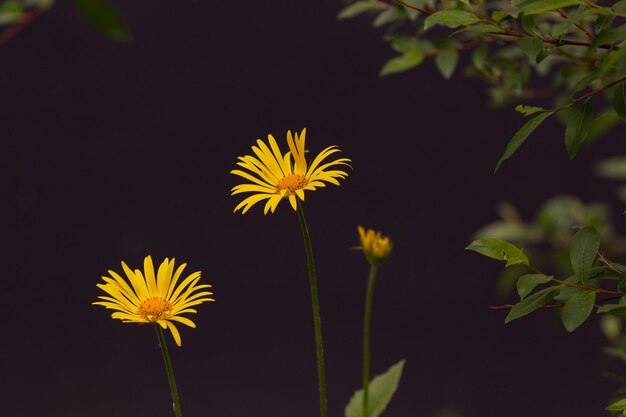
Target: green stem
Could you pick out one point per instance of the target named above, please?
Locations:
(366, 336)
(170, 371)
(317, 321)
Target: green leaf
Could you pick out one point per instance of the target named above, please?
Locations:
(527, 283)
(446, 62)
(577, 309)
(479, 28)
(577, 129)
(542, 6)
(603, 123)
(387, 16)
(499, 15)
(619, 100)
(619, 405)
(614, 309)
(450, 17)
(530, 47)
(585, 245)
(568, 23)
(402, 63)
(10, 12)
(102, 16)
(520, 137)
(527, 110)
(619, 7)
(531, 303)
(357, 8)
(602, 22)
(614, 168)
(500, 250)
(609, 36)
(381, 390)
(530, 25)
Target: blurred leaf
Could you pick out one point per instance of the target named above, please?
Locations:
(450, 17)
(499, 15)
(568, 23)
(402, 63)
(527, 283)
(530, 25)
(619, 100)
(585, 245)
(10, 12)
(611, 327)
(619, 7)
(500, 250)
(520, 137)
(577, 309)
(381, 390)
(619, 405)
(531, 303)
(578, 129)
(614, 167)
(541, 6)
(387, 16)
(357, 8)
(446, 62)
(479, 28)
(102, 16)
(603, 123)
(530, 47)
(609, 36)
(602, 22)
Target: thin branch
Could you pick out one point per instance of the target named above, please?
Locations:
(550, 306)
(578, 25)
(14, 29)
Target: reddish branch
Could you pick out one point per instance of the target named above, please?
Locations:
(550, 306)
(14, 29)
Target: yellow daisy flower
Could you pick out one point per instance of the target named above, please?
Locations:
(275, 176)
(375, 246)
(153, 298)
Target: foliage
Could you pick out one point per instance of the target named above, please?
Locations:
(550, 57)
(99, 14)
(569, 247)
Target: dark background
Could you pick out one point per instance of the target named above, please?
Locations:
(114, 152)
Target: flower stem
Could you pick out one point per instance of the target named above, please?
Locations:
(170, 371)
(367, 319)
(317, 322)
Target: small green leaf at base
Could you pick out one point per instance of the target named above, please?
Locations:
(577, 309)
(531, 303)
(381, 390)
(499, 249)
(520, 136)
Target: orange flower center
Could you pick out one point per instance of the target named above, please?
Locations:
(291, 183)
(153, 308)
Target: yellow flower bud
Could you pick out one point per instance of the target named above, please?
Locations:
(375, 246)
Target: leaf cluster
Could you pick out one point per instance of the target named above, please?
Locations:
(551, 57)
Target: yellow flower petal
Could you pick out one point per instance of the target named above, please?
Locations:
(153, 298)
(274, 176)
